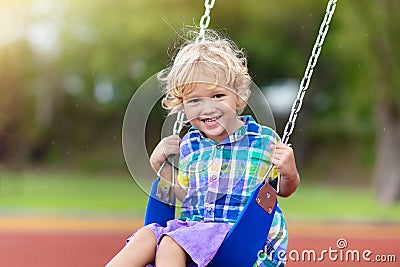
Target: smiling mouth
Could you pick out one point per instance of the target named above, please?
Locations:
(210, 120)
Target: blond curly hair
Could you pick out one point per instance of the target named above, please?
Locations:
(219, 59)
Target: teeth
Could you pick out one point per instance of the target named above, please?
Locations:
(211, 119)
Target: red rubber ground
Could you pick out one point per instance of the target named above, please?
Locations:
(86, 242)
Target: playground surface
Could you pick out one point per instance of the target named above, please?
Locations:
(91, 241)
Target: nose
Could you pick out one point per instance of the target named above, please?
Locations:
(209, 107)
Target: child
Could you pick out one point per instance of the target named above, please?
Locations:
(222, 159)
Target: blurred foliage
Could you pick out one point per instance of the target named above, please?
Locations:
(41, 192)
(55, 55)
(45, 192)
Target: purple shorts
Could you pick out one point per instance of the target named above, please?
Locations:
(200, 240)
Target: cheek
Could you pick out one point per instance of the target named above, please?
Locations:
(190, 113)
(231, 107)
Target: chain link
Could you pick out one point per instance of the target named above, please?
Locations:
(178, 124)
(205, 20)
(305, 82)
(204, 23)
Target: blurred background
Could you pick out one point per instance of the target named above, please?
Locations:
(68, 69)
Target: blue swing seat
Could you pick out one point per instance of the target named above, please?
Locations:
(247, 237)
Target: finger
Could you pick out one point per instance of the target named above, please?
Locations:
(169, 149)
(284, 151)
(282, 159)
(283, 146)
(171, 140)
(169, 144)
(282, 154)
(278, 147)
(275, 161)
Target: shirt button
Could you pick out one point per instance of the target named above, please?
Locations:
(219, 146)
(209, 208)
(214, 177)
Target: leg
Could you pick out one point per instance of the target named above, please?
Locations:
(139, 251)
(170, 254)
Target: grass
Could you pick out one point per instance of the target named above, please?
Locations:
(71, 193)
(338, 203)
(118, 194)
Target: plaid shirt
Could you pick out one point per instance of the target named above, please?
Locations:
(220, 177)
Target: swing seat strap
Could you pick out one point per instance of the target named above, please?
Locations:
(158, 211)
(247, 237)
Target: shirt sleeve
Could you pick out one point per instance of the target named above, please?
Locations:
(272, 139)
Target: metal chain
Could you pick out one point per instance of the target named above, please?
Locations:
(179, 122)
(305, 82)
(204, 23)
(178, 125)
(205, 19)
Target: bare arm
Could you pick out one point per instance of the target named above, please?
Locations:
(284, 160)
(167, 147)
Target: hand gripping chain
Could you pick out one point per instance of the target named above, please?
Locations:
(305, 82)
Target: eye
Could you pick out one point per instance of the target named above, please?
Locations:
(193, 101)
(218, 96)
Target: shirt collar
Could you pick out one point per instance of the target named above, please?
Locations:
(250, 127)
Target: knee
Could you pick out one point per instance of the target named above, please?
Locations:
(168, 247)
(144, 237)
(139, 251)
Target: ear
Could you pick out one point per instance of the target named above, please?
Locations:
(240, 104)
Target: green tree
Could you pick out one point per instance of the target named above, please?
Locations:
(366, 67)
(49, 106)
(383, 48)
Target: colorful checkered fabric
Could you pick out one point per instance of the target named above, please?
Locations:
(220, 177)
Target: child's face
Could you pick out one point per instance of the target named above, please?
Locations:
(212, 110)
